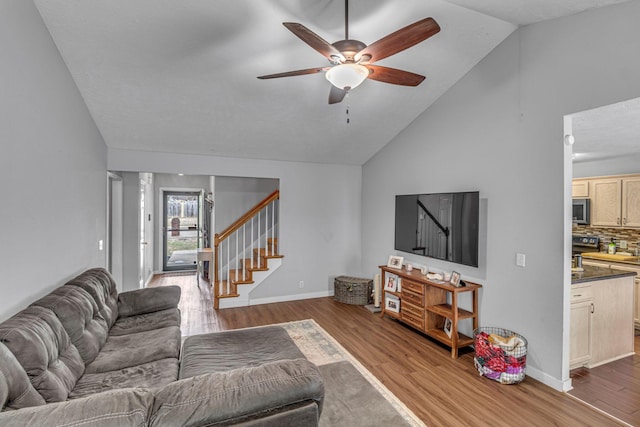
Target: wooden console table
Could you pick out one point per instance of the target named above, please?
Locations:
(425, 305)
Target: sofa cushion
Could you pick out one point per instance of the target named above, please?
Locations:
(41, 345)
(224, 351)
(101, 286)
(148, 300)
(15, 389)
(146, 322)
(118, 408)
(79, 314)
(124, 351)
(221, 397)
(148, 375)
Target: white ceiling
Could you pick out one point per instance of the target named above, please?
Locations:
(608, 132)
(180, 76)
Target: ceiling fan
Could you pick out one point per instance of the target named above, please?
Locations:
(352, 60)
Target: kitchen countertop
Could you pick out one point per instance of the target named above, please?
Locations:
(601, 256)
(592, 273)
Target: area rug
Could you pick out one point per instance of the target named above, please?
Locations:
(353, 396)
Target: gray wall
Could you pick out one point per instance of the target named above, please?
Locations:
(618, 166)
(234, 196)
(320, 214)
(52, 165)
(500, 131)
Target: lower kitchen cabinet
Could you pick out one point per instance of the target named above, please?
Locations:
(581, 316)
(625, 267)
(602, 327)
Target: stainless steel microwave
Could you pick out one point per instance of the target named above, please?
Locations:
(581, 211)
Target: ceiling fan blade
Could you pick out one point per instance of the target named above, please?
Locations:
(394, 76)
(294, 73)
(400, 40)
(315, 41)
(336, 95)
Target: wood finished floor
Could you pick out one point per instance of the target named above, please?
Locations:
(613, 388)
(439, 390)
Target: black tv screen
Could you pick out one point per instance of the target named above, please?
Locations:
(440, 225)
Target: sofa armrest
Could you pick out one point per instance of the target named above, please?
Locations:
(148, 300)
(130, 407)
(235, 396)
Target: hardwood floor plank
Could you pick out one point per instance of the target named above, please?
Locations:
(420, 372)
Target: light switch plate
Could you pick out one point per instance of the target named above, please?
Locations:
(520, 260)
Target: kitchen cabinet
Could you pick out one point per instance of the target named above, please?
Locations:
(625, 267)
(606, 203)
(615, 201)
(582, 309)
(612, 329)
(601, 317)
(631, 202)
(580, 189)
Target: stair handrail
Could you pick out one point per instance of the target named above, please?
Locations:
(246, 217)
(227, 232)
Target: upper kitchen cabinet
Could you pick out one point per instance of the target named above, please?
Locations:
(606, 202)
(631, 202)
(580, 189)
(615, 201)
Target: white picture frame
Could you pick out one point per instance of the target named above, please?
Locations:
(392, 303)
(447, 327)
(455, 279)
(395, 262)
(391, 283)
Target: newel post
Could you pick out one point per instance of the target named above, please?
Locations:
(216, 278)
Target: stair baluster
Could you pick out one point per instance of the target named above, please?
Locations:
(262, 217)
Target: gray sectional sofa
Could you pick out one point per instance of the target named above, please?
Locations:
(85, 355)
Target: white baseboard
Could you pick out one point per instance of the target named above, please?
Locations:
(296, 297)
(548, 380)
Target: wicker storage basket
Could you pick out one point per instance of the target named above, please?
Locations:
(501, 354)
(352, 290)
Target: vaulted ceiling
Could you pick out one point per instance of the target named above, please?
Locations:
(180, 76)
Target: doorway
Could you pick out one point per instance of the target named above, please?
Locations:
(181, 229)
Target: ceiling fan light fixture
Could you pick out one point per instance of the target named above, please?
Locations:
(347, 75)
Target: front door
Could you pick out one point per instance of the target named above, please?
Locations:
(181, 229)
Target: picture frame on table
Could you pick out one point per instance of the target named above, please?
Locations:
(447, 327)
(392, 303)
(395, 262)
(455, 279)
(391, 283)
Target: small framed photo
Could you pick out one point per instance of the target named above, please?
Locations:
(395, 262)
(391, 282)
(392, 303)
(447, 327)
(455, 279)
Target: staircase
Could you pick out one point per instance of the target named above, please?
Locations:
(246, 253)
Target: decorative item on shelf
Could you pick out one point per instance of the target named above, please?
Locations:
(392, 303)
(395, 262)
(435, 277)
(501, 354)
(424, 270)
(447, 327)
(409, 267)
(455, 279)
(391, 284)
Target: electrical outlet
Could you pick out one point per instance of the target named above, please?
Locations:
(301, 284)
(100, 244)
(520, 260)
(623, 244)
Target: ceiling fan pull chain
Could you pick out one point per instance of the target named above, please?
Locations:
(348, 119)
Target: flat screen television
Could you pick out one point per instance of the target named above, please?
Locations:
(440, 225)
